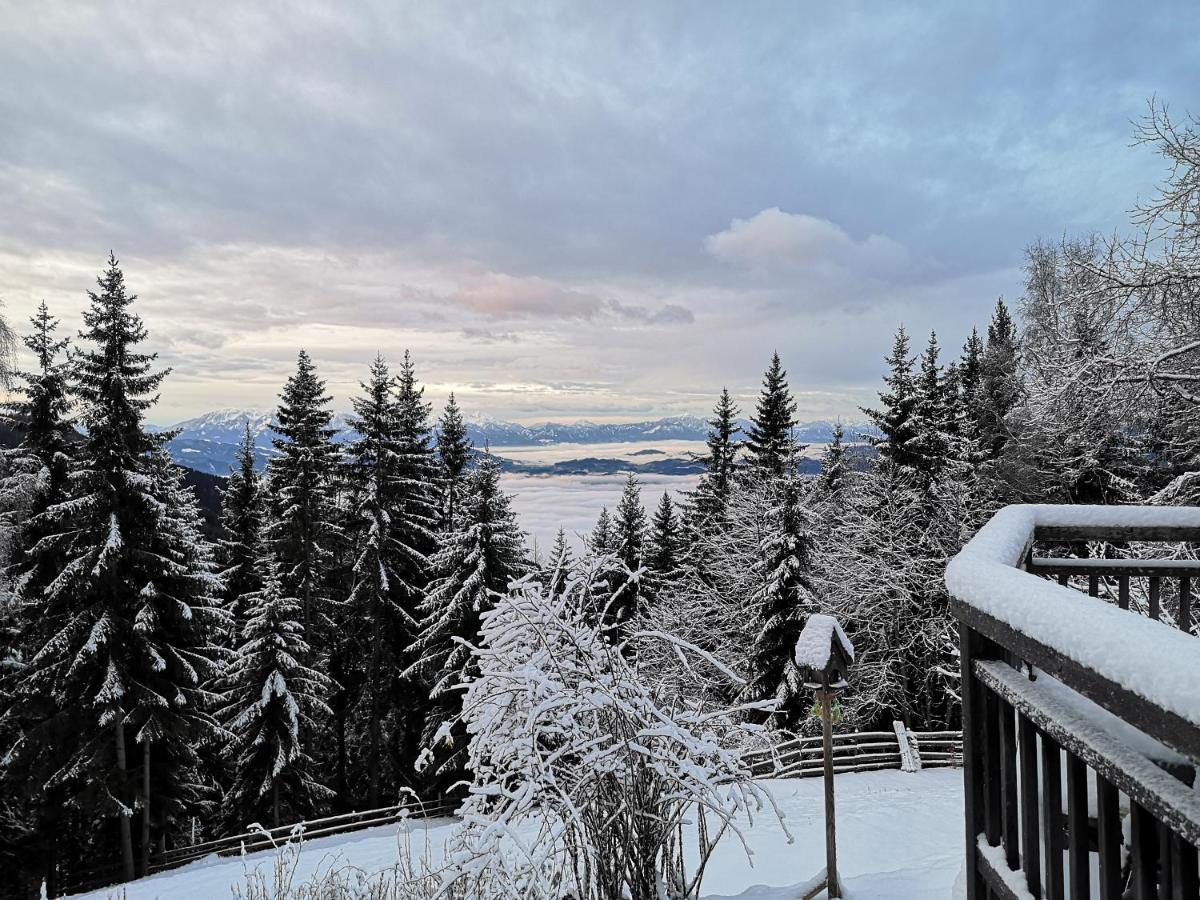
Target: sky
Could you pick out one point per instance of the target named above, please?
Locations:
(564, 210)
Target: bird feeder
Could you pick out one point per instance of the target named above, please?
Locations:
(824, 656)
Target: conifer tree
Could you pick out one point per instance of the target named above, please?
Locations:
(999, 385)
(389, 571)
(478, 559)
(242, 522)
(896, 421)
(970, 381)
(132, 608)
(770, 444)
(302, 529)
(783, 599)
(722, 444)
(558, 567)
(271, 697)
(931, 444)
(664, 557)
(454, 452)
(628, 593)
(603, 541)
(38, 471)
(834, 468)
(36, 479)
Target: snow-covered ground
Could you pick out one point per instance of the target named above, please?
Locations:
(900, 837)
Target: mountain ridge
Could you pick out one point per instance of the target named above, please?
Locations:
(208, 443)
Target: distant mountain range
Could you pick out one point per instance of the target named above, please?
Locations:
(208, 443)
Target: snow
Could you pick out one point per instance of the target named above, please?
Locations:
(900, 837)
(816, 640)
(1150, 658)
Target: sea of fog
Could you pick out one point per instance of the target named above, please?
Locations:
(544, 503)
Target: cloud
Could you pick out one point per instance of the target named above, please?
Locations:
(500, 296)
(773, 240)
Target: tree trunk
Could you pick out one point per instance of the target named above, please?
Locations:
(145, 808)
(126, 829)
(275, 804)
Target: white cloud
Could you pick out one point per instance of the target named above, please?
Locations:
(774, 240)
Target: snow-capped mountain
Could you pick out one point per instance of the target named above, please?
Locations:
(209, 442)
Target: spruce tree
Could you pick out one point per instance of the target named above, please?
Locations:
(665, 542)
(932, 413)
(558, 566)
(36, 479)
(896, 421)
(781, 602)
(389, 570)
(242, 523)
(602, 541)
(454, 452)
(478, 559)
(302, 529)
(834, 468)
(723, 444)
(628, 592)
(132, 608)
(1000, 388)
(271, 697)
(770, 444)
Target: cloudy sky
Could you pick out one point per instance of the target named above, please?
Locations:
(584, 210)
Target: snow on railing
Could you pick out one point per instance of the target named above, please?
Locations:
(1066, 696)
(1158, 663)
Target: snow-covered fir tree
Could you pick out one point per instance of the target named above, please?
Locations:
(834, 467)
(388, 577)
(627, 585)
(115, 691)
(665, 541)
(932, 444)
(271, 695)
(559, 564)
(454, 452)
(302, 527)
(720, 462)
(242, 513)
(36, 478)
(781, 602)
(898, 451)
(999, 387)
(480, 556)
(770, 445)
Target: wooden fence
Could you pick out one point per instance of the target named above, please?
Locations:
(863, 751)
(909, 751)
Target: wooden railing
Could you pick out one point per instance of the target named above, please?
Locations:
(899, 748)
(264, 839)
(1062, 690)
(862, 751)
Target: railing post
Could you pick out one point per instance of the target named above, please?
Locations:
(972, 646)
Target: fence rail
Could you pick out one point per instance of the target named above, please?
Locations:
(797, 758)
(860, 752)
(1081, 730)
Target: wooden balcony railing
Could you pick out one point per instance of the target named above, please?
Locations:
(1081, 717)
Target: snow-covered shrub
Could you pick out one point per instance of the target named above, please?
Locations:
(588, 783)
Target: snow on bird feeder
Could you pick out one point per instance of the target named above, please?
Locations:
(824, 656)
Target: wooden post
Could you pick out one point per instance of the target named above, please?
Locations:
(830, 823)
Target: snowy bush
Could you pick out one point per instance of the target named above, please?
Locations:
(587, 782)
